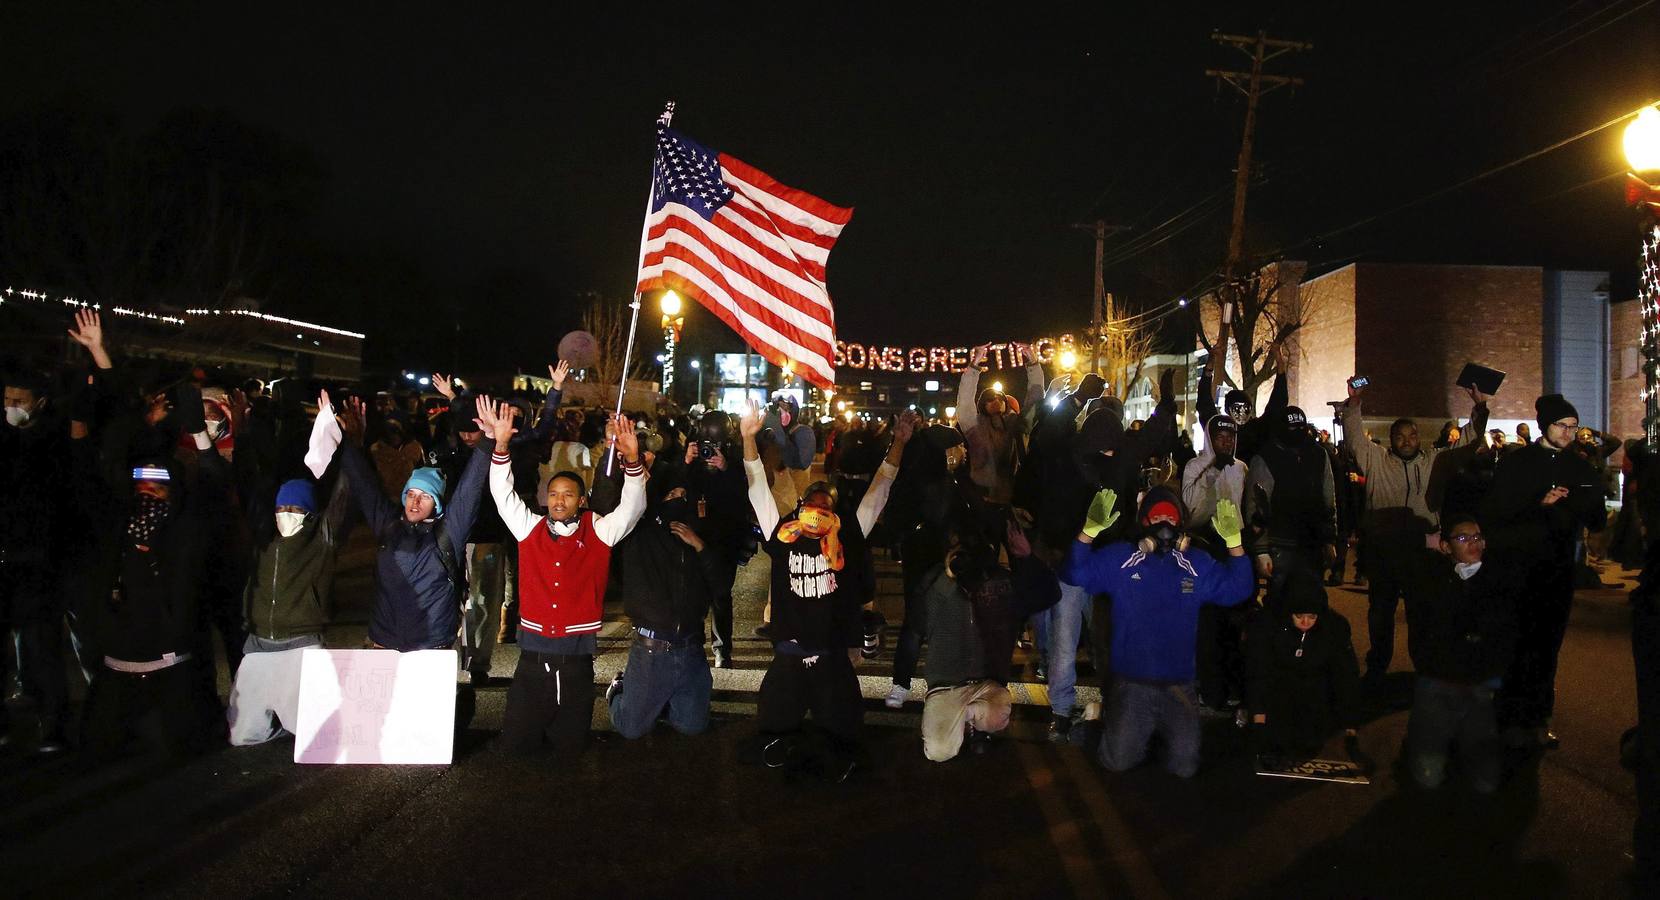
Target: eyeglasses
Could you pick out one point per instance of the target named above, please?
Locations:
(1476, 538)
(1565, 425)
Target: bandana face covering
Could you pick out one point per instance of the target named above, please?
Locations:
(149, 514)
(816, 523)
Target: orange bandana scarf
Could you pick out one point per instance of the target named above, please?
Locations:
(816, 523)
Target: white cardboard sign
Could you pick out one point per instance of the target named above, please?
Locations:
(376, 706)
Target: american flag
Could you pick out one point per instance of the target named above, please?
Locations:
(746, 247)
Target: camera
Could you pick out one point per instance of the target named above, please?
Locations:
(706, 450)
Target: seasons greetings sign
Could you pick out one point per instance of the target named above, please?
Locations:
(921, 360)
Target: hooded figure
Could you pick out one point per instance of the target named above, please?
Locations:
(1214, 474)
(1238, 405)
(1156, 589)
(669, 574)
(1302, 678)
(1291, 496)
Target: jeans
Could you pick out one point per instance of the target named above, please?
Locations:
(923, 549)
(1445, 713)
(489, 580)
(1136, 711)
(1067, 621)
(677, 678)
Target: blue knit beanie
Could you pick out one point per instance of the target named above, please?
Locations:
(428, 481)
(297, 493)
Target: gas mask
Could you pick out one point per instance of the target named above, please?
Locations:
(1239, 412)
(1162, 537)
(290, 523)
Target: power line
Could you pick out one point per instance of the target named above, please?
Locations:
(1502, 167)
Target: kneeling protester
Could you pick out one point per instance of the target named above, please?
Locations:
(669, 581)
(1156, 589)
(564, 563)
(816, 618)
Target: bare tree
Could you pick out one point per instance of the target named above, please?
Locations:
(1119, 349)
(1269, 311)
(607, 320)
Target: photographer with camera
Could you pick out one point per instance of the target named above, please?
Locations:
(717, 494)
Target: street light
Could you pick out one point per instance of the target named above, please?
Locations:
(672, 322)
(697, 366)
(1642, 151)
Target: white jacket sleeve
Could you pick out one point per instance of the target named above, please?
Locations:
(615, 525)
(518, 517)
(760, 497)
(876, 498)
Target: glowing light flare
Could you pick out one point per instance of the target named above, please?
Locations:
(1068, 360)
(670, 303)
(1642, 141)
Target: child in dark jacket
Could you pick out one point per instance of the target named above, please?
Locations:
(1302, 678)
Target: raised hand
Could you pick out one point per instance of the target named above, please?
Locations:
(1228, 524)
(441, 383)
(621, 431)
(749, 425)
(89, 333)
(978, 358)
(1103, 512)
(495, 419)
(905, 427)
(323, 401)
(1355, 392)
(557, 374)
(352, 419)
(1476, 396)
(1167, 385)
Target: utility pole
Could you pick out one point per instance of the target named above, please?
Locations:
(1253, 84)
(1097, 318)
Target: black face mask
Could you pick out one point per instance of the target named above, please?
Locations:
(677, 510)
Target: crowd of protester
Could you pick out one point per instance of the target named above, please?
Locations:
(168, 519)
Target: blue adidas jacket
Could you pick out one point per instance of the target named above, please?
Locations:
(1155, 602)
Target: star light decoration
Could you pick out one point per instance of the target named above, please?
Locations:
(1648, 294)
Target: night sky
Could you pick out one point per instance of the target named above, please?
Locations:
(484, 169)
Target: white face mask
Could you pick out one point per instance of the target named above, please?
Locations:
(17, 416)
(290, 523)
(215, 429)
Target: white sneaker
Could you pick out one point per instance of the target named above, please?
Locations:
(896, 697)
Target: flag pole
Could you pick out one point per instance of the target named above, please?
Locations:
(634, 320)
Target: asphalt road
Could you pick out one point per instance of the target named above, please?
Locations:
(672, 815)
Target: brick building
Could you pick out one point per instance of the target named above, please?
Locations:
(1410, 328)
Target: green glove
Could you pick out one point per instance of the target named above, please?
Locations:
(1103, 511)
(1227, 524)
